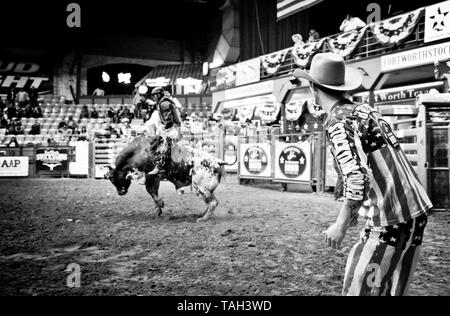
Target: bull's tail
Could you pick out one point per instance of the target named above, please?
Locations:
(224, 163)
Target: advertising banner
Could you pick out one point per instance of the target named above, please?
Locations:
(437, 21)
(415, 57)
(13, 166)
(80, 161)
(248, 71)
(25, 73)
(53, 159)
(222, 78)
(293, 161)
(399, 93)
(255, 160)
(231, 152)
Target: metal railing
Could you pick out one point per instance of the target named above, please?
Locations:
(367, 48)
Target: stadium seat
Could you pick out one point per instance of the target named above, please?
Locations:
(20, 138)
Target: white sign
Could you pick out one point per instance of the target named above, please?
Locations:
(255, 160)
(81, 164)
(250, 90)
(248, 71)
(399, 93)
(437, 22)
(415, 57)
(231, 150)
(13, 166)
(293, 161)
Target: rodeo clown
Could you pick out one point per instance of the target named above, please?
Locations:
(379, 184)
(165, 121)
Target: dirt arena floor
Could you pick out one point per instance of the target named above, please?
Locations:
(261, 241)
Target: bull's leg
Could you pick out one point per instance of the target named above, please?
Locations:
(212, 203)
(152, 187)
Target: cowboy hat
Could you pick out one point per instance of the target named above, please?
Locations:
(329, 70)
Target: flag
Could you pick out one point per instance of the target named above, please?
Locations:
(289, 7)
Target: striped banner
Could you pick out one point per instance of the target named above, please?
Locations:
(286, 8)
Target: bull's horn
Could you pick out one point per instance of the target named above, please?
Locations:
(129, 176)
(106, 175)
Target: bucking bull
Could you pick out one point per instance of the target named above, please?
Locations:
(183, 166)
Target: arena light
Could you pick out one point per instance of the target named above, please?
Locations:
(124, 78)
(143, 89)
(205, 68)
(105, 77)
(190, 85)
(158, 82)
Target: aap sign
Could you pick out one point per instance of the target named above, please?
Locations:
(13, 166)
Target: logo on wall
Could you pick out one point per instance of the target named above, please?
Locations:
(255, 160)
(292, 162)
(437, 22)
(52, 158)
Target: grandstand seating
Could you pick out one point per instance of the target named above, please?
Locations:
(54, 110)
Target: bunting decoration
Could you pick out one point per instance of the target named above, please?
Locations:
(229, 114)
(268, 112)
(245, 113)
(294, 109)
(302, 54)
(271, 63)
(345, 43)
(315, 109)
(396, 29)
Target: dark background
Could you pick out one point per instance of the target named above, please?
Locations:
(196, 23)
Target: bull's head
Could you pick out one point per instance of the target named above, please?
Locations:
(120, 178)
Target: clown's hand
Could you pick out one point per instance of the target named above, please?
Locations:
(334, 236)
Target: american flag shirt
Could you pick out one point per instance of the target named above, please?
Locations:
(375, 169)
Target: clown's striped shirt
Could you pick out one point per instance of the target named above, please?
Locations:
(374, 167)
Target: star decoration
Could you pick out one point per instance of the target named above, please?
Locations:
(305, 126)
(373, 145)
(316, 125)
(378, 135)
(302, 160)
(395, 226)
(393, 239)
(438, 20)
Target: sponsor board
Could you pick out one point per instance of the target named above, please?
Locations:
(52, 159)
(13, 166)
(293, 161)
(415, 57)
(255, 160)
